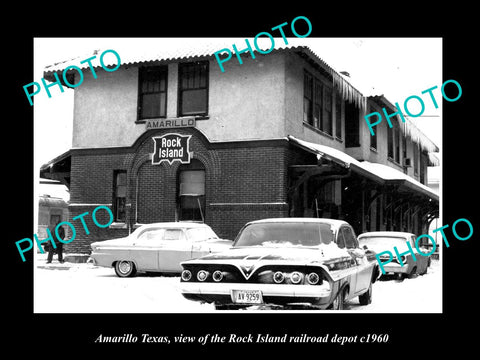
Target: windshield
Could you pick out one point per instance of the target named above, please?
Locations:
(201, 233)
(285, 234)
(384, 243)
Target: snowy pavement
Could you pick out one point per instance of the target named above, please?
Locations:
(84, 288)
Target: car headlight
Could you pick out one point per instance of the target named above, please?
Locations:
(313, 278)
(202, 275)
(217, 276)
(186, 275)
(296, 277)
(278, 277)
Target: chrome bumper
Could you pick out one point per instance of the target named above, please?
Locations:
(217, 291)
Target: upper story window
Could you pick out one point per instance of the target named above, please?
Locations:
(389, 142)
(415, 158)
(352, 125)
(308, 99)
(152, 92)
(373, 138)
(327, 121)
(193, 88)
(338, 115)
(317, 104)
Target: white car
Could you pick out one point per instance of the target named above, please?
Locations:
(158, 247)
(380, 241)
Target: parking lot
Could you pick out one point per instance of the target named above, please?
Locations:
(84, 288)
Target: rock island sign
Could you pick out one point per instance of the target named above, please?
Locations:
(170, 148)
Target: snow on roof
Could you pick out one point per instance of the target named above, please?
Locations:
(191, 48)
(378, 170)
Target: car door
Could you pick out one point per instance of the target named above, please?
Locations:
(176, 248)
(422, 261)
(146, 248)
(363, 266)
(342, 244)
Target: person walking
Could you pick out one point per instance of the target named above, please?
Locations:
(59, 244)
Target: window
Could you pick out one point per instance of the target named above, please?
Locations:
(327, 123)
(317, 104)
(317, 107)
(308, 99)
(415, 158)
(340, 240)
(152, 90)
(200, 234)
(191, 191)
(338, 116)
(119, 195)
(352, 125)
(373, 138)
(349, 237)
(152, 236)
(193, 88)
(174, 235)
(390, 141)
(422, 168)
(397, 143)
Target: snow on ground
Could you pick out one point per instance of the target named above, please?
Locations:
(84, 288)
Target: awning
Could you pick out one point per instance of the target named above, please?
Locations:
(382, 174)
(58, 169)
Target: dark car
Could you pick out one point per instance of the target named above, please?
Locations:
(287, 262)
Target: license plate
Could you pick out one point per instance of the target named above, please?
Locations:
(247, 296)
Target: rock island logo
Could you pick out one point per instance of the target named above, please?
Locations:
(170, 148)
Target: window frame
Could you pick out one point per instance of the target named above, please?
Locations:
(181, 91)
(195, 165)
(142, 71)
(338, 115)
(115, 205)
(308, 101)
(352, 233)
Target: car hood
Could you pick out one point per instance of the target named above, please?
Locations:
(296, 255)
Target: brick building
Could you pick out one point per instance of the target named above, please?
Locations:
(172, 138)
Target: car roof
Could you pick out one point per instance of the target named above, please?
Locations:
(386, 234)
(176, 225)
(334, 222)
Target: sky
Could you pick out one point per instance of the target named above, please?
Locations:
(394, 67)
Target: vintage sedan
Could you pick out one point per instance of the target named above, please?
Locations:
(379, 241)
(158, 247)
(286, 263)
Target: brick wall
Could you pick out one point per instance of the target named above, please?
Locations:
(244, 181)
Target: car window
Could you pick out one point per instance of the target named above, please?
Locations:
(413, 241)
(200, 234)
(174, 235)
(278, 234)
(150, 235)
(349, 237)
(340, 240)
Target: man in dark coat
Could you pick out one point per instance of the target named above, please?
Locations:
(59, 249)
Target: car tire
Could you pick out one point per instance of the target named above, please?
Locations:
(413, 273)
(366, 298)
(125, 268)
(339, 301)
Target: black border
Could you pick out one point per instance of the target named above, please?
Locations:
(426, 333)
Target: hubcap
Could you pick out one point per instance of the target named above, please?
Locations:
(124, 267)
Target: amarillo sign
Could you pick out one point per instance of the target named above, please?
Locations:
(170, 148)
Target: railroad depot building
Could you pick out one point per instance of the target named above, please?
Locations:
(172, 138)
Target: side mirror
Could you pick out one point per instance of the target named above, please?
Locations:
(365, 247)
